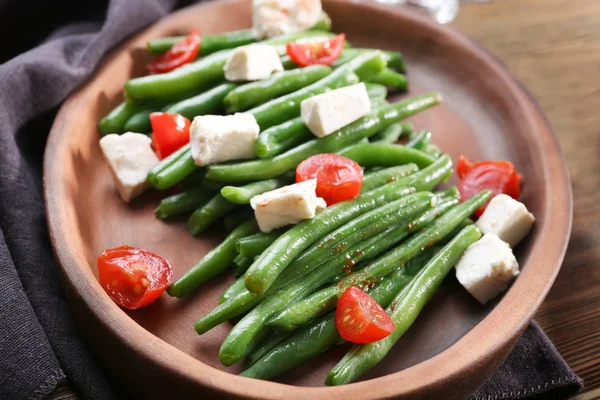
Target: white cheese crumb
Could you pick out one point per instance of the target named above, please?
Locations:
(507, 218)
(129, 157)
(217, 138)
(328, 112)
(252, 63)
(287, 205)
(487, 268)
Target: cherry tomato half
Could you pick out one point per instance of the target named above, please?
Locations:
(182, 52)
(325, 52)
(359, 319)
(170, 132)
(498, 176)
(338, 178)
(133, 277)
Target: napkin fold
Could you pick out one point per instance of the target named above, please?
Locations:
(53, 46)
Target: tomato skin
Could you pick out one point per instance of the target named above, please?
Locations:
(133, 277)
(325, 53)
(359, 319)
(182, 52)
(170, 132)
(498, 176)
(338, 178)
(463, 166)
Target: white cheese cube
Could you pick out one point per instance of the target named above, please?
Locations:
(328, 112)
(217, 138)
(277, 17)
(487, 268)
(252, 63)
(507, 218)
(129, 157)
(287, 205)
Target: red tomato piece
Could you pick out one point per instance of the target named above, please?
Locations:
(133, 277)
(325, 53)
(170, 132)
(338, 178)
(182, 52)
(497, 176)
(359, 319)
(463, 166)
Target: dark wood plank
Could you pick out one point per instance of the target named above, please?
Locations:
(553, 47)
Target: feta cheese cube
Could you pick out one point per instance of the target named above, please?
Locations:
(252, 63)
(487, 267)
(507, 218)
(129, 157)
(217, 138)
(287, 205)
(277, 17)
(326, 113)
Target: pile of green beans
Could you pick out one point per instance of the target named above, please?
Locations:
(406, 307)
(397, 239)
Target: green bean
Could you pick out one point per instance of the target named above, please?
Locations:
(212, 43)
(170, 172)
(422, 180)
(287, 107)
(242, 264)
(433, 150)
(232, 290)
(258, 92)
(394, 59)
(207, 214)
(196, 179)
(362, 128)
(289, 245)
(235, 345)
(182, 203)
(376, 91)
(167, 162)
(195, 76)
(322, 301)
(209, 102)
(385, 155)
(268, 361)
(246, 300)
(391, 79)
(420, 141)
(233, 220)
(160, 45)
(243, 194)
(254, 245)
(264, 347)
(372, 180)
(279, 138)
(114, 121)
(140, 121)
(392, 133)
(366, 225)
(404, 310)
(213, 263)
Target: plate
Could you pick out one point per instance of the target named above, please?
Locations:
(454, 345)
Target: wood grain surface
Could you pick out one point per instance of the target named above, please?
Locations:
(553, 47)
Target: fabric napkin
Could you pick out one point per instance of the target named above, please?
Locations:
(50, 47)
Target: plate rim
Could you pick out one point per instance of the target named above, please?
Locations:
(168, 357)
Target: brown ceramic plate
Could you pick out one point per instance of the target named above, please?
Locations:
(455, 344)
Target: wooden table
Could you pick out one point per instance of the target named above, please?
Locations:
(553, 47)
